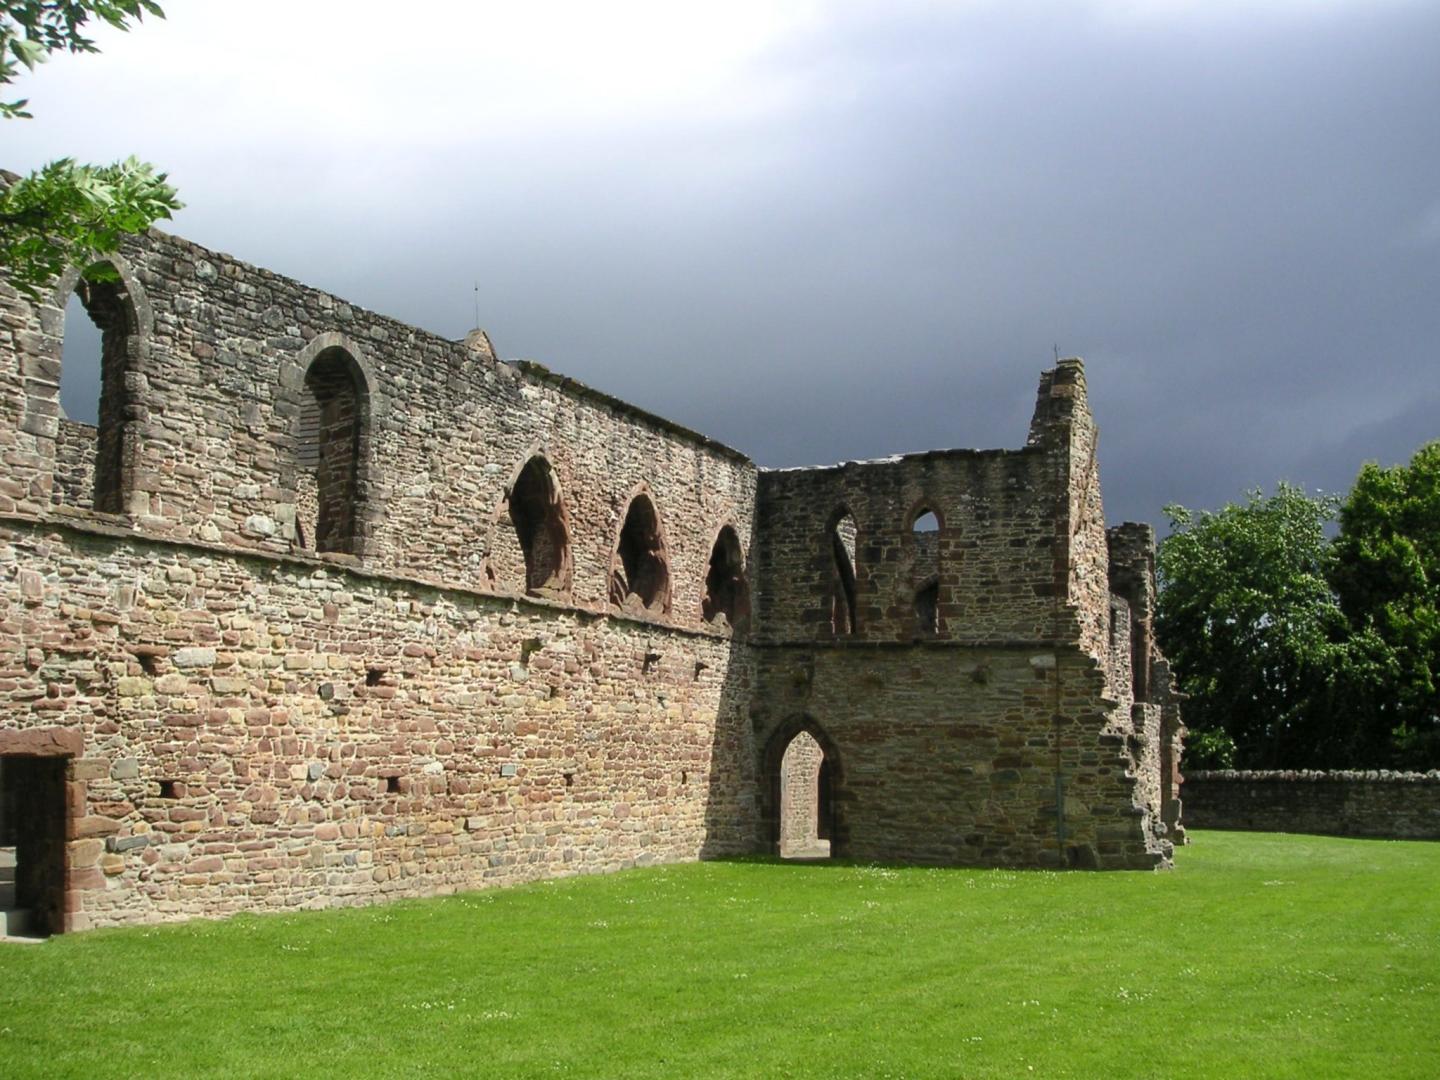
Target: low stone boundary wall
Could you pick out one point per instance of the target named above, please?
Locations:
(1394, 805)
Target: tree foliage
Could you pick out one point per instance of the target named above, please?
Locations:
(1387, 575)
(66, 214)
(1297, 651)
(1247, 618)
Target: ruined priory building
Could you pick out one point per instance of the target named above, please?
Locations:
(327, 609)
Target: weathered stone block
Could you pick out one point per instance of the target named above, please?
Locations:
(125, 769)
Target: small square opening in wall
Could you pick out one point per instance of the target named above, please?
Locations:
(149, 663)
(392, 785)
(373, 676)
(569, 779)
(528, 648)
(169, 789)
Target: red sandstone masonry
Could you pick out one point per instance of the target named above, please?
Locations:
(1008, 735)
(246, 724)
(328, 738)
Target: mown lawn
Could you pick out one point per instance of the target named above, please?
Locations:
(1260, 955)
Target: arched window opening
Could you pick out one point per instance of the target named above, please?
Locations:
(641, 569)
(727, 594)
(925, 532)
(94, 399)
(329, 439)
(927, 609)
(537, 515)
(925, 522)
(842, 576)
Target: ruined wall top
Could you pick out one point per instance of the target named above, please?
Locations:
(1017, 555)
(242, 409)
(229, 389)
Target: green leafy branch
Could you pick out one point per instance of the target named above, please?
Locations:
(33, 29)
(66, 213)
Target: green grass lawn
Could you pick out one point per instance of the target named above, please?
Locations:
(1260, 955)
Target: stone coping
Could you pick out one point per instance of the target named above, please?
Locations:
(953, 453)
(583, 392)
(1317, 776)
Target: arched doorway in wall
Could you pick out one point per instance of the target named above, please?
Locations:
(801, 795)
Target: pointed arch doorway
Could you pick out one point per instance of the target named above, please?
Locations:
(801, 793)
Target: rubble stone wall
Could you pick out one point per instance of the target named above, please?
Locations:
(218, 399)
(265, 732)
(74, 464)
(953, 743)
(1397, 806)
(950, 755)
(993, 555)
(276, 617)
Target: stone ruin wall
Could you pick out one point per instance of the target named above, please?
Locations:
(1376, 803)
(217, 389)
(267, 733)
(248, 723)
(1142, 680)
(230, 752)
(952, 744)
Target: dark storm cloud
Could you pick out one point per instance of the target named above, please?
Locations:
(1235, 219)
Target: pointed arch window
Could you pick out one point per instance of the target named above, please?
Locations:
(640, 574)
(538, 517)
(727, 592)
(843, 613)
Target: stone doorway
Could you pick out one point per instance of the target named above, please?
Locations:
(32, 845)
(802, 811)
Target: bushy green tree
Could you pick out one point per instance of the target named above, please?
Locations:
(1250, 621)
(66, 214)
(1387, 575)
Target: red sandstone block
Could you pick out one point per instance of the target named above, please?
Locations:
(90, 877)
(93, 825)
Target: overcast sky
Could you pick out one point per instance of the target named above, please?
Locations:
(824, 231)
